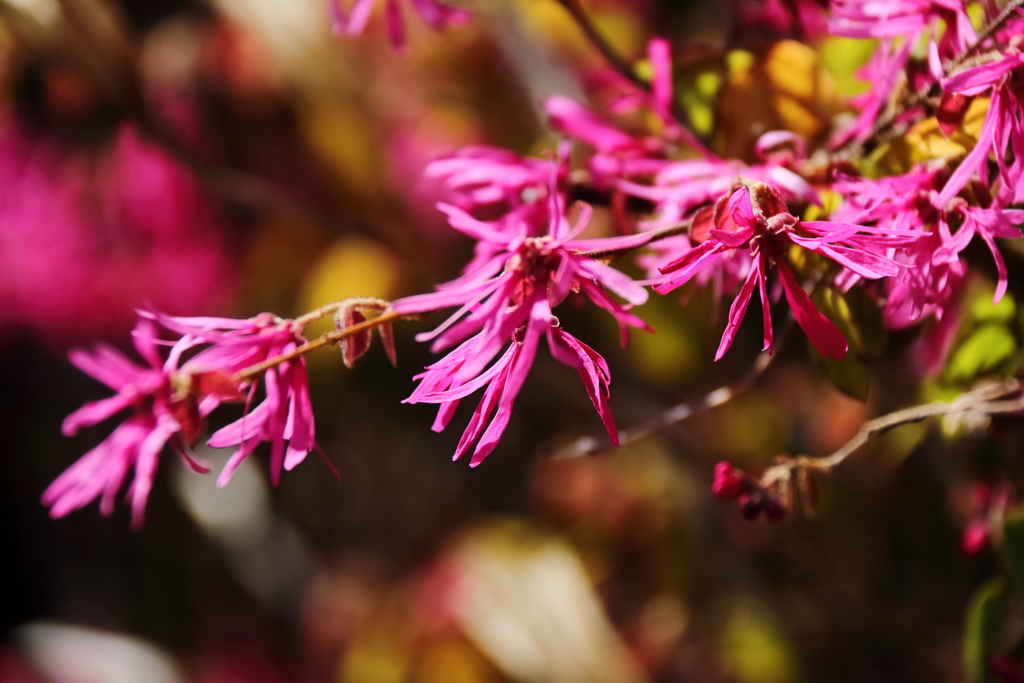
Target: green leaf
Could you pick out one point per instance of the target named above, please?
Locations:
(850, 375)
(983, 310)
(984, 617)
(983, 351)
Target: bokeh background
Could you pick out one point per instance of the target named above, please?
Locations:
(231, 157)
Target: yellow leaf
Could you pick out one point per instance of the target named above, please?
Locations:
(345, 140)
(785, 88)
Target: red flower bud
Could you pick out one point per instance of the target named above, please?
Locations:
(727, 483)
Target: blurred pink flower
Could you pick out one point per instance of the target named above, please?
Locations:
(803, 18)
(71, 238)
(679, 187)
(352, 22)
(887, 18)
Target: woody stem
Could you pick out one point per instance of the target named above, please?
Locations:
(325, 339)
(991, 28)
(986, 401)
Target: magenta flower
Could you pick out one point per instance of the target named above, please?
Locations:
(1002, 127)
(284, 418)
(168, 405)
(491, 178)
(504, 379)
(804, 18)
(436, 14)
(927, 287)
(888, 18)
(497, 295)
(76, 226)
(988, 224)
(508, 298)
(882, 72)
(754, 218)
(679, 187)
(619, 154)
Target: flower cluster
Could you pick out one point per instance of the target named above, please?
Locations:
(786, 221)
(170, 397)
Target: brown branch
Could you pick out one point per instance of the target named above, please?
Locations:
(588, 445)
(617, 61)
(625, 68)
(990, 29)
(982, 403)
(324, 340)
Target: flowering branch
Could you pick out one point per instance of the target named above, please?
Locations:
(325, 339)
(924, 94)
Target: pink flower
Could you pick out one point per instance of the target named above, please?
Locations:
(882, 72)
(803, 18)
(754, 218)
(285, 417)
(436, 14)
(497, 295)
(76, 226)
(679, 187)
(1001, 129)
(620, 154)
(887, 18)
(482, 178)
(508, 298)
(504, 379)
(987, 224)
(168, 405)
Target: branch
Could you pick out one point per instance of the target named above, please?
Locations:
(990, 29)
(588, 445)
(982, 403)
(656, 236)
(617, 61)
(324, 340)
(625, 68)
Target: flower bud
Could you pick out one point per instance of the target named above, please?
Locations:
(727, 483)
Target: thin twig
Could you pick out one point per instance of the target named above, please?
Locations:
(324, 340)
(656, 236)
(625, 68)
(991, 399)
(588, 445)
(990, 29)
(617, 61)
